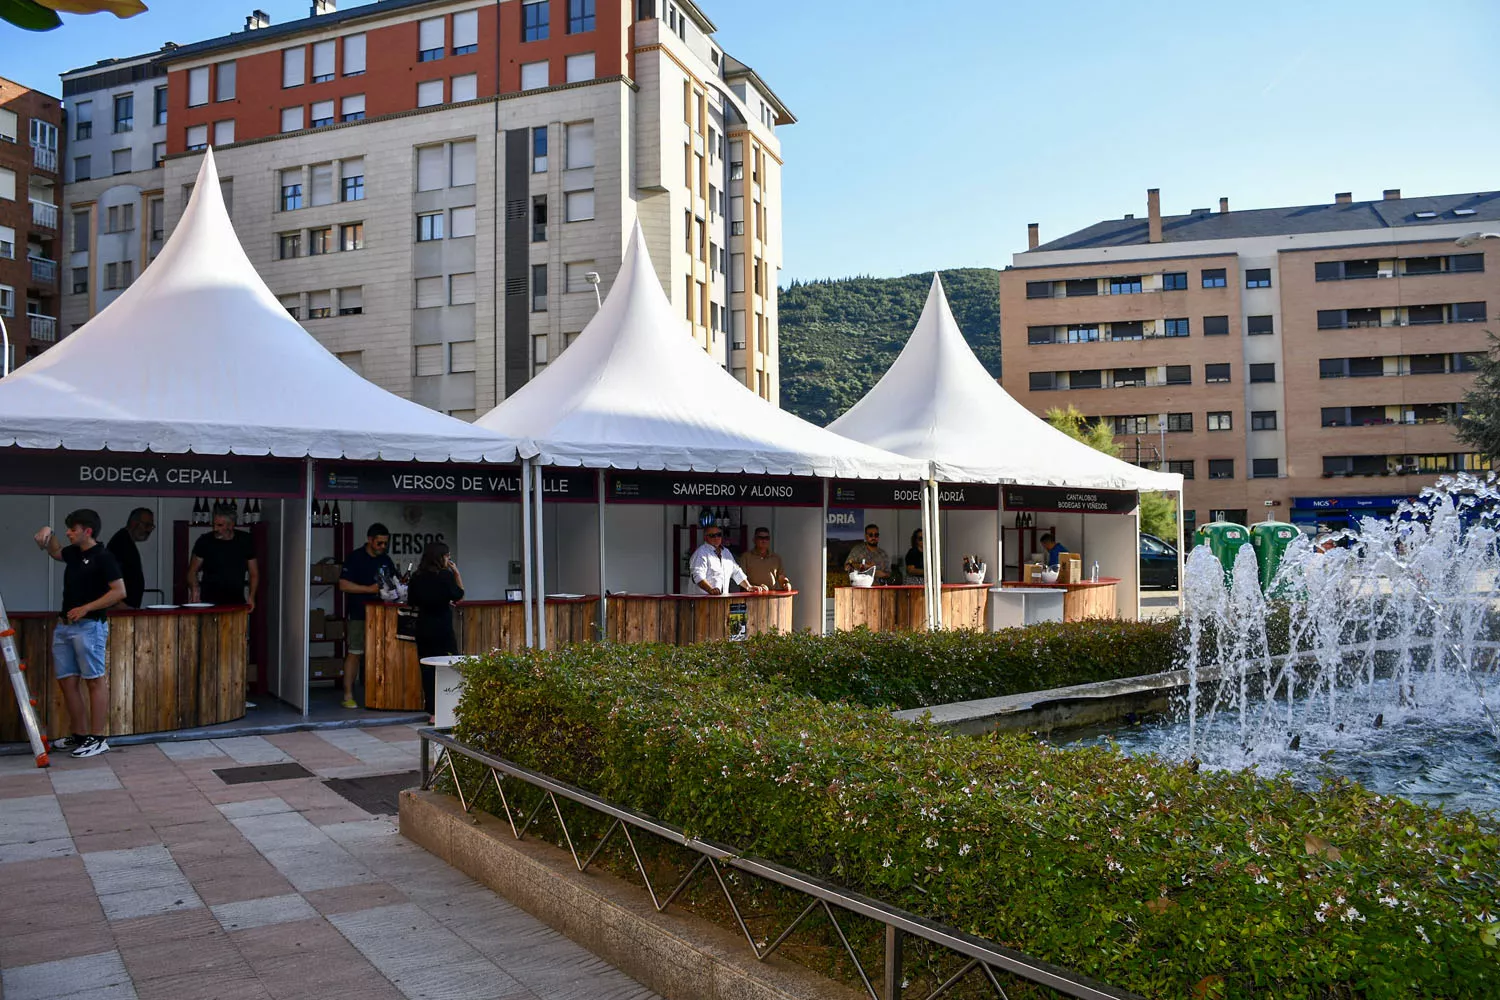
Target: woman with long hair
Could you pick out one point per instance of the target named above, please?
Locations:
(915, 566)
(432, 590)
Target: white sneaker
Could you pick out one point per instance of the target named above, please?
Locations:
(92, 746)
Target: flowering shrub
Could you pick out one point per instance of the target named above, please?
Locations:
(1147, 875)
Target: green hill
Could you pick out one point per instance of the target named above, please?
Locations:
(839, 336)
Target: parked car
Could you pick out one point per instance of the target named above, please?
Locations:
(1158, 563)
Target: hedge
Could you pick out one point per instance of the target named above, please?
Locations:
(1138, 872)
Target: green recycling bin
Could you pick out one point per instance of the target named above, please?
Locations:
(1224, 539)
(1271, 539)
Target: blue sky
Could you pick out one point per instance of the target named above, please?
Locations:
(930, 134)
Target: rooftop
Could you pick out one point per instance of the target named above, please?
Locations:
(1204, 224)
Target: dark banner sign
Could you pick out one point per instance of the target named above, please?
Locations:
(1063, 500)
(707, 488)
(901, 496)
(1349, 503)
(142, 474)
(487, 483)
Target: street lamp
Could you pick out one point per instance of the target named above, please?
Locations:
(593, 278)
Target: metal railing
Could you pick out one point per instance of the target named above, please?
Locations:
(43, 215)
(43, 328)
(43, 270)
(43, 158)
(991, 961)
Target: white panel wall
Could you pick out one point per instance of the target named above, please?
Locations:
(23, 567)
(289, 680)
(489, 537)
(636, 540)
(797, 536)
(1115, 544)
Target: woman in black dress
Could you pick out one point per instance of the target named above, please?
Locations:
(432, 590)
(915, 565)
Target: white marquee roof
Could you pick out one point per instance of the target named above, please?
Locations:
(938, 403)
(198, 355)
(634, 391)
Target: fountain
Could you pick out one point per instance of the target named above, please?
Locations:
(1372, 655)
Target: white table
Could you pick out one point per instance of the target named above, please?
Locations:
(448, 685)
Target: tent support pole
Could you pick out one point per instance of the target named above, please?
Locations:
(306, 578)
(1181, 548)
(603, 591)
(929, 561)
(937, 527)
(526, 591)
(823, 567)
(1000, 535)
(541, 569)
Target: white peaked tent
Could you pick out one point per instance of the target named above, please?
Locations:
(937, 402)
(199, 356)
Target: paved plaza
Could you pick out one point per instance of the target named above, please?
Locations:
(146, 873)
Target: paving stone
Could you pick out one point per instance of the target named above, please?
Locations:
(253, 807)
(252, 750)
(94, 779)
(32, 818)
(68, 977)
(191, 750)
(37, 850)
(273, 831)
(261, 912)
(74, 940)
(348, 898)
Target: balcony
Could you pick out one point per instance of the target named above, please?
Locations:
(43, 271)
(43, 215)
(43, 158)
(43, 328)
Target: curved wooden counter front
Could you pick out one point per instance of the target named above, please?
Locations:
(683, 619)
(1084, 599)
(168, 669)
(903, 608)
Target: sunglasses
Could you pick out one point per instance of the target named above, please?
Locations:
(713, 534)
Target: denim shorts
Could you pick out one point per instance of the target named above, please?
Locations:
(78, 648)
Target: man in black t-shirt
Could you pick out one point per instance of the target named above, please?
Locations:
(80, 638)
(122, 545)
(359, 582)
(226, 558)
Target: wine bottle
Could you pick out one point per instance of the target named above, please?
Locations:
(705, 517)
(338, 518)
(327, 515)
(197, 511)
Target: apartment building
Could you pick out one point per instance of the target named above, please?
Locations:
(30, 147)
(436, 188)
(1306, 362)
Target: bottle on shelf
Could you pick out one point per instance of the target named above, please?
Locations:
(317, 515)
(197, 511)
(255, 511)
(338, 518)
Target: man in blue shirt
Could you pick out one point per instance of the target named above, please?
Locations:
(1055, 552)
(359, 582)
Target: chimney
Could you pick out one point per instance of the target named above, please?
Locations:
(1392, 194)
(1033, 235)
(1223, 206)
(1343, 198)
(257, 19)
(1153, 215)
(323, 7)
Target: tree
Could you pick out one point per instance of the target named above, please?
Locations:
(1480, 425)
(1158, 510)
(41, 15)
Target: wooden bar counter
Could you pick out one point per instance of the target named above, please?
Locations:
(683, 619)
(1084, 599)
(903, 607)
(393, 677)
(168, 669)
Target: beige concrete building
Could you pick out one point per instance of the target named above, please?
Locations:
(1307, 362)
(434, 187)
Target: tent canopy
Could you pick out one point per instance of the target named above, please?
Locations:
(634, 391)
(936, 402)
(199, 356)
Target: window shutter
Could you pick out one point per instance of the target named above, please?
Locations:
(429, 34)
(197, 135)
(197, 86)
(461, 355)
(580, 145)
(429, 93)
(430, 168)
(223, 133)
(430, 357)
(322, 111)
(317, 301)
(581, 67)
(463, 163)
(462, 223)
(351, 298)
(465, 88)
(352, 167)
(461, 289)
(322, 184)
(465, 28)
(429, 292)
(224, 90)
(323, 58)
(291, 119)
(354, 54)
(293, 66)
(353, 105)
(580, 206)
(534, 75)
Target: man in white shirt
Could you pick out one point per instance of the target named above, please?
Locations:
(712, 566)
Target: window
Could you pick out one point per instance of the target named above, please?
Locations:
(1125, 286)
(119, 161)
(1043, 381)
(293, 306)
(1183, 467)
(119, 218)
(461, 289)
(578, 206)
(1179, 422)
(158, 153)
(1081, 286)
(580, 16)
(1129, 425)
(81, 231)
(1090, 378)
(580, 145)
(1129, 330)
(533, 20)
(322, 61)
(539, 150)
(291, 190)
(119, 275)
(430, 43)
(1263, 420)
(534, 75)
(322, 113)
(1174, 281)
(1179, 375)
(82, 171)
(1216, 326)
(80, 280)
(1041, 335)
(429, 357)
(1258, 277)
(1221, 420)
(1470, 312)
(1265, 468)
(580, 67)
(465, 88)
(432, 168)
(1256, 326)
(83, 125)
(1213, 277)
(1328, 270)
(352, 108)
(291, 119)
(293, 66)
(1130, 376)
(1427, 364)
(1466, 262)
(539, 288)
(461, 172)
(429, 227)
(1331, 319)
(1216, 373)
(1263, 372)
(429, 93)
(319, 305)
(352, 236)
(197, 138)
(429, 292)
(461, 222)
(223, 132)
(1221, 468)
(351, 301)
(539, 218)
(1039, 289)
(224, 87)
(353, 179)
(320, 241)
(465, 32)
(124, 112)
(288, 245)
(354, 55)
(539, 350)
(1178, 328)
(461, 355)
(578, 276)
(1331, 368)
(322, 184)
(197, 86)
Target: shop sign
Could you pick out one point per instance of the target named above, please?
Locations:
(908, 496)
(487, 483)
(1350, 503)
(693, 488)
(114, 473)
(1064, 500)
